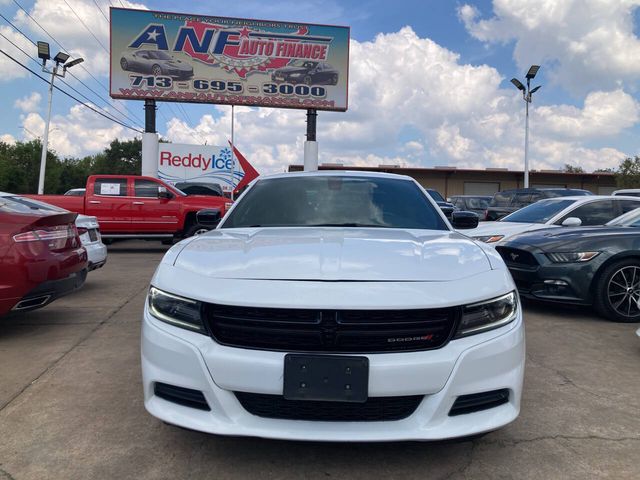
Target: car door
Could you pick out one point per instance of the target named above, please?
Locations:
(110, 202)
(150, 213)
(597, 212)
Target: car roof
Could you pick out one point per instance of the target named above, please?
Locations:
(536, 189)
(470, 196)
(337, 173)
(587, 198)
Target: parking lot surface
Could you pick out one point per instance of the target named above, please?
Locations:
(71, 403)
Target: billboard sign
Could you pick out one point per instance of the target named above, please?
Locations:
(195, 58)
(203, 164)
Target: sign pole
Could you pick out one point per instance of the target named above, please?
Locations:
(150, 140)
(233, 155)
(310, 145)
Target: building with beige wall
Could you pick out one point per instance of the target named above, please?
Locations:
(462, 181)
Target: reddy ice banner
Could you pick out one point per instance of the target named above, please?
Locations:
(203, 164)
(195, 58)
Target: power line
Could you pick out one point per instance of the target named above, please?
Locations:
(68, 94)
(115, 105)
(100, 10)
(62, 79)
(87, 28)
(61, 46)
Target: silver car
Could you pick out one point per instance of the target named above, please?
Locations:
(157, 63)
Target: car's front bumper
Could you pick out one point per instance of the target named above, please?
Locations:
(479, 363)
(553, 282)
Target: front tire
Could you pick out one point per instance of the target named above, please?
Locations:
(307, 80)
(195, 229)
(156, 70)
(617, 292)
(124, 64)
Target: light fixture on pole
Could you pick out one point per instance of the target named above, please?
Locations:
(60, 60)
(527, 93)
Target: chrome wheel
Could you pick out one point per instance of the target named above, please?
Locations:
(623, 291)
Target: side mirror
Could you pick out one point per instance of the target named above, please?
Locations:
(464, 220)
(208, 217)
(164, 194)
(572, 222)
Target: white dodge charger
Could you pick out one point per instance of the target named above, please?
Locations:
(337, 306)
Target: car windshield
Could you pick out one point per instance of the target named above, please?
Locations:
(159, 55)
(435, 195)
(26, 205)
(303, 63)
(335, 201)
(539, 212)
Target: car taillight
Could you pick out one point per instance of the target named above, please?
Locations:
(55, 238)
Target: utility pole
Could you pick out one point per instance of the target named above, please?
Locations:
(60, 59)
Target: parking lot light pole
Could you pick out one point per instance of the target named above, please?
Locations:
(527, 93)
(60, 59)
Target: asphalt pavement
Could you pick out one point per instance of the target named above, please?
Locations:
(71, 403)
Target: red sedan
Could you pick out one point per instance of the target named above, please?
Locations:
(41, 257)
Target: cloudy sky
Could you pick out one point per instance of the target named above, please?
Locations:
(429, 83)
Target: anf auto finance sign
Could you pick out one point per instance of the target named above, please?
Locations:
(203, 164)
(196, 58)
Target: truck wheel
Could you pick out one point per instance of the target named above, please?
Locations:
(196, 229)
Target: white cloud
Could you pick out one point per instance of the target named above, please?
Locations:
(78, 132)
(461, 114)
(585, 44)
(29, 103)
(605, 114)
(74, 26)
(6, 138)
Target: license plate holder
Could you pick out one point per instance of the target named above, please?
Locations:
(331, 378)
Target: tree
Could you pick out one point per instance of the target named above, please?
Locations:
(20, 168)
(628, 173)
(121, 158)
(573, 169)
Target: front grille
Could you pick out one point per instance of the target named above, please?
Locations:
(375, 409)
(479, 401)
(517, 257)
(181, 396)
(338, 331)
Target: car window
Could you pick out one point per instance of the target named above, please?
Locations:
(521, 199)
(501, 199)
(627, 205)
(146, 188)
(477, 203)
(594, 213)
(115, 187)
(346, 201)
(458, 202)
(535, 196)
(539, 212)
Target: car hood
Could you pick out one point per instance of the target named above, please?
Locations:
(333, 254)
(507, 229)
(557, 238)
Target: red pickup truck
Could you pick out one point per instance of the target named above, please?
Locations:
(132, 206)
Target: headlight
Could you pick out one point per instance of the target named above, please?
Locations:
(571, 257)
(489, 238)
(483, 316)
(295, 75)
(178, 311)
